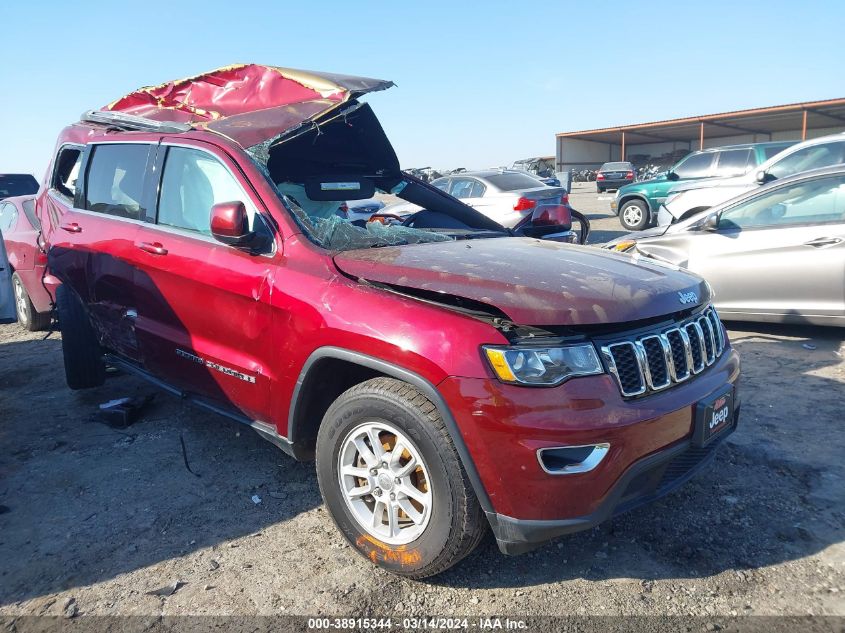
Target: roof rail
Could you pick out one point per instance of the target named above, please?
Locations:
(131, 122)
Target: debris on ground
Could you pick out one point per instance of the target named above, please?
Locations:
(124, 412)
(256, 499)
(167, 590)
(70, 609)
(808, 346)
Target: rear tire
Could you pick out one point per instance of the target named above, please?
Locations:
(634, 215)
(83, 356)
(28, 317)
(444, 522)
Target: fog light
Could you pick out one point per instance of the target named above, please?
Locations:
(571, 460)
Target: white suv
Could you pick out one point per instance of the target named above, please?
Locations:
(692, 197)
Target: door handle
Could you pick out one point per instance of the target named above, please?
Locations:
(823, 241)
(156, 248)
(71, 227)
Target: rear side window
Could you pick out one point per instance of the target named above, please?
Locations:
(812, 157)
(29, 210)
(466, 188)
(513, 181)
(734, 162)
(115, 181)
(192, 182)
(695, 166)
(66, 171)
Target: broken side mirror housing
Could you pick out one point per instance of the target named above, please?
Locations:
(671, 175)
(230, 225)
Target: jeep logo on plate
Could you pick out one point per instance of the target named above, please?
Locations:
(688, 297)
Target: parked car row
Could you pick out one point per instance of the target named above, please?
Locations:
(637, 204)
(773, 253)
(436, 365)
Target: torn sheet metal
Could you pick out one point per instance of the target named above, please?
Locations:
(248, 103)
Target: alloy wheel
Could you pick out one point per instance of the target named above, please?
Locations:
(20, 302)
(385, 482)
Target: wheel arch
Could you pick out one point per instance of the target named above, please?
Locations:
(628, 197)
(310, 398)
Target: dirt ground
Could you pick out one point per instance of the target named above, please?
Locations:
(92, 518)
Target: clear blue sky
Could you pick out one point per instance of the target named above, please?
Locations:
(478, 84)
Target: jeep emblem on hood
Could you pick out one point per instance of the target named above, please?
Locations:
(688, 297)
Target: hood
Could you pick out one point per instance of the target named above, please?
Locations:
(533, 282)
(248, 103)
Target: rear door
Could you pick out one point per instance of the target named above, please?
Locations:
(93, 244)
(203, 307)
(779, 253)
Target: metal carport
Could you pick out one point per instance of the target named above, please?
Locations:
(795, 121)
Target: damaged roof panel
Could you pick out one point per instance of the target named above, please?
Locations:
(248, 103)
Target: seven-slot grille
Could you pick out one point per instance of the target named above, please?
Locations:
(655, 361)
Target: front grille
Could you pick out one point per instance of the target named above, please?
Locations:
(656, 360)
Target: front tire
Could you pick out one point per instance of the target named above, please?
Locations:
(393, 482)
(28, 317)
(634, 215)
(84, 366)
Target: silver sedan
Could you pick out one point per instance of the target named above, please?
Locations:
(774, 254)
(506, 196)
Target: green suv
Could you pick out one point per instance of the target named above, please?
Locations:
(637, 204)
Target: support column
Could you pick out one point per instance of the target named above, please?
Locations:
(623, 145)
(701, 136)
(803, 128)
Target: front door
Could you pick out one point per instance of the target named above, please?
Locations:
(782, 252)
(203, 307)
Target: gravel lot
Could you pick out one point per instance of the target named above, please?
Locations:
(92, 518)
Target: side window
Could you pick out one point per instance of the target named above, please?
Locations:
(695, 166)
(477, 190)
(442, 184)
(461, 187)
(192, 182)
(66, 171)
(813, 157)
(819, 201)
(8, 217)
(734, 162)
(114, 184)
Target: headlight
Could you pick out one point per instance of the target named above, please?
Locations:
(543, 365)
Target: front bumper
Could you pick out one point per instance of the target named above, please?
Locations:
(613, 184)
(646, 481)
(503, 427)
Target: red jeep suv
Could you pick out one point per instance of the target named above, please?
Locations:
(446, 374)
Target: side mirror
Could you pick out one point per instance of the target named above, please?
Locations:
(230, 225)
(710, 223)
(671, 175)
(761, 177)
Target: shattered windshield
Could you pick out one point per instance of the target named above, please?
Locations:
(325, 224)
